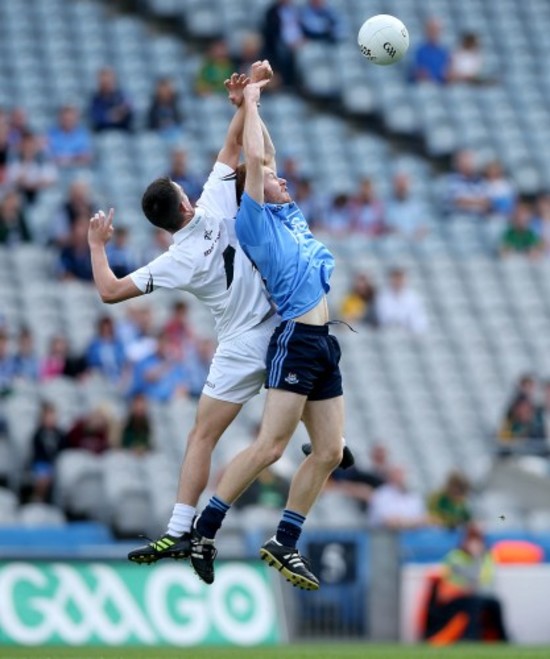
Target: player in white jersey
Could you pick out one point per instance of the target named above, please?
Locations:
(206, 260)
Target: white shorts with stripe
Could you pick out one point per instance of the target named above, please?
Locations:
(237, 372)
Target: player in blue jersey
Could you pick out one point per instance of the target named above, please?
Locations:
(303, 376)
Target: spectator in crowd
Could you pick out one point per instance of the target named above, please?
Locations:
(92, 432)
(119, 253)
(69, 142)
(6, 365)
(180, 174)
(79, 203)
(525, 387)
(137, 332)
(48, 441)
(398, 306)
(164, 114)
(18, 127)
(269, 491)
(110, 108)
(178, 330)
(359, 303)
(500, 191)
(523, 428)
(465, 586)
(337, 221)
(541, 222)
(137, 431)
(394, 506)
(25, 362)
(309, 202)
(448, 506)
(519, 237)
(320, 22)
(74, 259)
(159, 376)
(13, 223)
(31, 171)
(216, 68)
(405, 214)
(60, 362)
(359, 483)
(283, 36)
(367, 211)
(466, 191)
(431, 60)
(197, 363)
(467, 61)
(4, 147)
(105, 353)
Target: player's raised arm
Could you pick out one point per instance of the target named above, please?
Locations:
(231, 149)
(111, 289)
(253, 143)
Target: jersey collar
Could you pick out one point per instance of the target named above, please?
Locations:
(188, 229)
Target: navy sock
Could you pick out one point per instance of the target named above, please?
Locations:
(211, 517)
(290, 528)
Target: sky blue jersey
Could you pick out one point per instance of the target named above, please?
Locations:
(296, 267)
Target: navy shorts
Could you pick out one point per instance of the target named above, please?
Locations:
(304, 359)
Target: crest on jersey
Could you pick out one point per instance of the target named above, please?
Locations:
(208, 234)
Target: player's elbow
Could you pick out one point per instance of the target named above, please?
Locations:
(108, 298)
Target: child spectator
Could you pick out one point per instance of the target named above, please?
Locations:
(31, 171)
(25, 362)
(359, 302)
(74, 259)
(216, 68)
(164, 114)
(136, 433)
(500, 191)
(449, 506)
(519, 237)
(467, 60)
(105, 353)
(47, 442)
(13, 223)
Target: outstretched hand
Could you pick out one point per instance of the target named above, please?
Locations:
(101, 229)
(235, 86)
(261, 70)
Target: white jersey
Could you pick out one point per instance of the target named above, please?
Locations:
(207, 261)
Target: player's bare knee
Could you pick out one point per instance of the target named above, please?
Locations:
(329, 457)
(203, 437)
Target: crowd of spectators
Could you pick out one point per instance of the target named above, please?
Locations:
(132, 355)
(382, 492)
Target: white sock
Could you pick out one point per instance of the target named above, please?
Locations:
(181, 520)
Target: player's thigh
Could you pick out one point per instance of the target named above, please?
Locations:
(324, 420)
(282, 413)
(213, 417)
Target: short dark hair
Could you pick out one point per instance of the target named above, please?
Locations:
(240, 180)
(161, 204)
